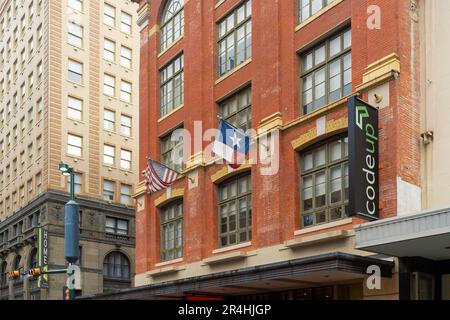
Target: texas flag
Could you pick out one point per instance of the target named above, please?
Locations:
(231, 144)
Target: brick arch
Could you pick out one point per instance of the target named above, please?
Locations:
(333, 128)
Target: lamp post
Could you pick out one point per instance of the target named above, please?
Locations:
(71, 230)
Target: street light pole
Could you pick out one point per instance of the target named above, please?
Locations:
(71, 230)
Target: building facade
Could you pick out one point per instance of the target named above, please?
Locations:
(285, 69)
(420, 235)
(69, 93)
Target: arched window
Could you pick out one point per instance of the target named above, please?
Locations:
(324, 182)
(16, 265)
(235, 210)
(172, 22)
(3, 277)
(33, 258)
(116, 266)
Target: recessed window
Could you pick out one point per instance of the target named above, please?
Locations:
(109, 85)
(76, 4)
(109, 188)
(172, 85)
(75, 108)
(109, 120)
(116, 266)
(237, 109)
(125, 57)
(172, 231)
(75, 71)
(235, 38)
(125, 125)
(75, 35)
(125, 23)
(108, 154)
(326, 74)
(172, 150)
(125, 159)
(172, 23)
(116, 226)
(125, 194)
(109, 50)
(324, 183)
(109, 15)
(125, 91)
(78, 183)
(308, 8)
(235, 211)
(74, 145)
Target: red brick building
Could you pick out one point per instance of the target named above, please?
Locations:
(286, 67)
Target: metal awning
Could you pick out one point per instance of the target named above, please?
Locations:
(304, 272)
(424, 235)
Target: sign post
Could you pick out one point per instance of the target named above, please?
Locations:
(363, 159)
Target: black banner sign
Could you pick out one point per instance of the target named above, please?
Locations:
(363, 159)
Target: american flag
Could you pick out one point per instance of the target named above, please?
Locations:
(158, 177)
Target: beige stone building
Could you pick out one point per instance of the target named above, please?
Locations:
(68, 93)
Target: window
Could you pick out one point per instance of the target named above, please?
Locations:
(39, 145)
(125, 91)
(109, 15)
(235, 38)
(108, 190)
(30, 118)
(125, 125)
(21, 196)
(125, 159)
(308, 8)
(3, 273)
(39, 72)
(38, 183)
(116, 226)
(172, 232)
(75, 35)
(125, 23)
(30, 48)
(30, 153)
(116, 266)
(172, 23)
(30, 12)
(39, 108)
(75, 71)
(125, 194)
(108, 154)
(324, 183)
(74, 145)
(235, 211)
(109, 50)
(30, 189)
(109, 119)
(30, 82)
(109, 85)
(76, 4)
(78, 180)
(172, 151)
(326, 72)
(40, 34)
(237, 110)
(75, 108)
(33, 261)
(172, 85)
(125, 57)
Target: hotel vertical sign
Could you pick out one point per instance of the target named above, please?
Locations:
(43, 256)
(363, 159)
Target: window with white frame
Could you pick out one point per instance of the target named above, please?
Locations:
(109, 85)
(109, 120)
(76, 4)
(172, 23)
(125, 57)
(109, 50)
(75, 71)
(125, 125)
(125, 91)
(78, 183)
(125, 23)
(125, 194)
(108, 154)
(116, 226)
(109, 188)
(125, 159)
(308, 8)
(172, 86)
(109, 15)
(74, 145)
(74, 108)
(75, 35)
